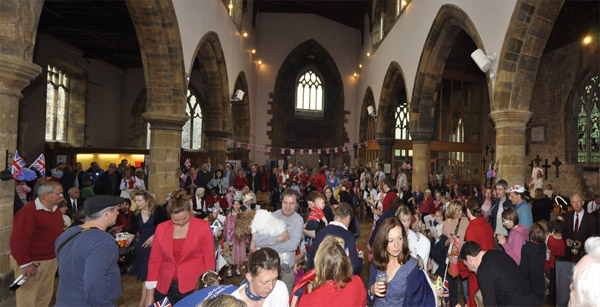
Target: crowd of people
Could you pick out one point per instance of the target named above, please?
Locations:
(491, 245)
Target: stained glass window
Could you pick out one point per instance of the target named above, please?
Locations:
(57, 97)
(191, 136)
(402, 117)
(588, 122)
(309, 92)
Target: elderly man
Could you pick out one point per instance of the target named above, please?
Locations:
(35, 228)
(87, 257)
(586, 277)
(342, 216)
(288, 241)
(579, 226)
(74, 200)
(109, 182)
(499, 277)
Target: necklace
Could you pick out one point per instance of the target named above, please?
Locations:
(250, 295)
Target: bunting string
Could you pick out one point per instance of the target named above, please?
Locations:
(285, 150)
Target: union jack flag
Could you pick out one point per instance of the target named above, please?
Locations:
(17, 164)
(40, 165)
(187, 163)
(162, 303)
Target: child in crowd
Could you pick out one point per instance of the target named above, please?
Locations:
(533, 255)
(208, 279)
(557, 247)
(316, 203)
(66, 219)
(438, 286)
(238, 247)
(438, 223)
(22, 189)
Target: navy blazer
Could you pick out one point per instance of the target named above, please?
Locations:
(349, 243)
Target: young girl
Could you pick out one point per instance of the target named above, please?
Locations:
(238, 244)
(438, 286)
(557, 247)
(533, 255)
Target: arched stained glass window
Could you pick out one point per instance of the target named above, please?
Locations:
(57, 97)
(402, 118)
(309, 92)
(588, 122)
(191, 136)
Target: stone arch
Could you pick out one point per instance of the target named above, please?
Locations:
(449, 21)
(528, 31)
(368, 100)
(290, 132)
(209, 63)
(393, 93)
(240, 115)
(76, 136)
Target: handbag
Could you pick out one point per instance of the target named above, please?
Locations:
(454, 250)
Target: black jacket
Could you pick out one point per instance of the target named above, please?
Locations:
(533, 258)
(103, 185)
(506, 204)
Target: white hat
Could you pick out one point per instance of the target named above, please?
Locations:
(517, 189)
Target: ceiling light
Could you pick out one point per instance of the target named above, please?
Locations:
(359, 65)
(230, 6)
(369, 53)
(355, 75)
(245, 34)
(587, 40)
(253, 51)
(403, 3)
(259, 62)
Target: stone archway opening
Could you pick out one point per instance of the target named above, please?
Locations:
(209, 76)
(367, 132)
(291, 131)
(240, 115)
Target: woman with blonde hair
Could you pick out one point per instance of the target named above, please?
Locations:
(334, 284)
(146, 217)
(418, 244)
(183, 249)
(454, 229)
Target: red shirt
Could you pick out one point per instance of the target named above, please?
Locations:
(557, 248)
(389, 198)
(319, 182)
(427, 206)
(480, 231)
(328, 294)
(124, 221)
(240, 182)
(177, 248)
(34, 232)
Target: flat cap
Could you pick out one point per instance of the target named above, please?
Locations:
(100, 202)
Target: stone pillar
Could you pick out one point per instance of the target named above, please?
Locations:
(510, 144)
(165, 149)
(420, 167)
(15, 75)
(385, 150)
(216, 143)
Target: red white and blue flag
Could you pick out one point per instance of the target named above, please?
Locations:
(187, 163)
(40, 165)
(162, 303)
(17, 164)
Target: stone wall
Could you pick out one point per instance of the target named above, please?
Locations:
(559, 76)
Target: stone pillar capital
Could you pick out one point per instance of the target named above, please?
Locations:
(217, 134)
(515, 119)
(165, 121)
(421, 137)
(15, 75)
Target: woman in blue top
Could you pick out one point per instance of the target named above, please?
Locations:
(391, 255)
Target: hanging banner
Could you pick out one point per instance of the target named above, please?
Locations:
(228, 142)
(310, 152)
(336, 150)
(283, 151)
(291, 151)
(344, 149)
(358, 146)
(268, 149)
(258, 148)
(318, 151)
(327, 151)
(239, 145)
(248, 148)
(301, 152)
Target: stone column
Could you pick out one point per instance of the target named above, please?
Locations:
(510, 144)
(15, 75)
(165, 149)
(420, 167)
(216, 143)
(385, 150)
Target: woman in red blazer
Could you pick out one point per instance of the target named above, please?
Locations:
(480, 231)
(182, 250)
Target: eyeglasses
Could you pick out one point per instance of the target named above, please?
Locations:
(505, 222)
(59, 193)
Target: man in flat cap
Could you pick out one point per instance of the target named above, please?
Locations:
(87, 257)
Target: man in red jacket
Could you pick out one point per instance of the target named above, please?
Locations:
(390, 193)
(35, 228)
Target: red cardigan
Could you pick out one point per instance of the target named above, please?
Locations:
(389, 198)
(353, 294)
(34, 232)
(197, 256)
(480, 231)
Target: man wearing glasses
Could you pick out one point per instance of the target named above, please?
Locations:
(35, 228)
(579, 226)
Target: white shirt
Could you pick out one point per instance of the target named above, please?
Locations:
(592, 206)
(279, 297)
(40, 206)
(419, 245)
